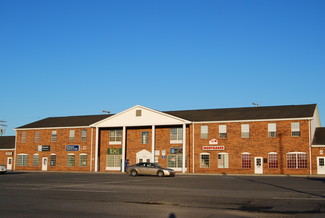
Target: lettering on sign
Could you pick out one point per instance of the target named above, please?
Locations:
(213, 148)
(213, 142)
(114, 151)
(72, 148)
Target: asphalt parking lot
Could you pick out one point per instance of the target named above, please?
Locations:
(36, 194)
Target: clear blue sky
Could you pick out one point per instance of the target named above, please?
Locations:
(77, 57)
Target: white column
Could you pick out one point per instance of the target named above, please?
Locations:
(184, 143)
(123, 148)
(96, 149)
(153, 133)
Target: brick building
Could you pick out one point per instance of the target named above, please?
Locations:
(252, 140)
(7, 151)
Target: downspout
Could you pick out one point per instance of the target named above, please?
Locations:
(310, 160)
(184, 147)
(91, 149)
(123, 148)
(96, 149)
(15, 154)
(153, 133)
(193, 147)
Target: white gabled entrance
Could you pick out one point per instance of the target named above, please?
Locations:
(320, 165)
(258, 165)
(144, 156)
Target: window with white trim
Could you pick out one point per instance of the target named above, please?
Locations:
(22, 160)
(175, 161)
(84, 135)
(204, 132)
(295, 129)
(297, 160)
(113, 160)
(54, 136)
(23, 137)
(205, 160)
(245, 130)
(37, 136)
(223, 131)
(223, 161)
(145, 137)
(246, 160)
(176, 135)
(271, 130)
(115, 136)
(71, 160)
(36, 160)
(71, 135)
(273, 160)
(83, 160)
(52, 160)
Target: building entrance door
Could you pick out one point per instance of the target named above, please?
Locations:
(258, 165)
(320, 165)
(44, 163)
(9, 163)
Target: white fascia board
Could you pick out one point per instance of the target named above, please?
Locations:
(317, 146)
(8, 149)
(241, 121)
(68, 127)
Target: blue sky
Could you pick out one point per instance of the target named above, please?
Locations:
(77, 57)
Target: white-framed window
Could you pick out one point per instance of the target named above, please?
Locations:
(271, 130)
(36, 160)
(71, 135)
(53, 160)
(273, 160)
(83, 160)
(223, 161)
(54, 136)
(23, 136)
(297, 160)
(245, 130)
(175, 161)
(145, 137)
(84, 135)
(37, 136)
(204, 131)
(246, 160)
(115, 136)
(176, 135)
(223, 131)
(71, 160)
(204, 160)
(113, 161)
(22, 159)
(295, 129)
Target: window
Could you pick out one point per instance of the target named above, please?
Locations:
(71, 135)
(83, 160)
(273, 160)
(23, 136)
(37, 136)
(295, 129)
(54, 134)
(176, 135)
(223, 160)
(113, 160)
(246, 160)
(205, 160)
(245, 130)
(138, 113)
(145, 137)
(223, 131)
(22, 159)
(204, 132)
(52, 160)
(84, 135)
(115, 136)
(175, 161)
(271, 130)
(36, 160)
(71, 160)
(297, 160)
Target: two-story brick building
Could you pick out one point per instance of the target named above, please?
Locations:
(252, 140)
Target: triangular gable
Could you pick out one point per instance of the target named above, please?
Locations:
(140, 116)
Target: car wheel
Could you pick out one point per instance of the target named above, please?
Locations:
(160, 173)
(134, 173)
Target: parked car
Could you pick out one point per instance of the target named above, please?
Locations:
(3, 168)
(147, 168)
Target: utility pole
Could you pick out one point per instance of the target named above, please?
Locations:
(2, 127)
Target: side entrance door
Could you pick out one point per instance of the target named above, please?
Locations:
(9, 163)
(44, 163)
(320, 165)
(258, 165)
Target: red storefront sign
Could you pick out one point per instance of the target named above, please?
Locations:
(213, 148)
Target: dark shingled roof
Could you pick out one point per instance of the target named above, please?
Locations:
(247, 113)
(7, 142)
(319, 136)
(66, 121)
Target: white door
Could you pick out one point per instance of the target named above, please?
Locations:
(258, 165)
(320, 165)
(9, 163)
(44, 164)
(144, 156)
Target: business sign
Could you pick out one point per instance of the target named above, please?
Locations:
(72, 148)
(213, 142)
(213, 148)
(114, 151)
(44, 148)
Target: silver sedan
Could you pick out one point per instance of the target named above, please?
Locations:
(149, 169)
(3, 168)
